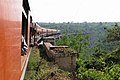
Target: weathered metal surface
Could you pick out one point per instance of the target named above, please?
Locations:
(62, 55)
(10, 39)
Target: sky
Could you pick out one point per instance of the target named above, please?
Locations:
(75, 10)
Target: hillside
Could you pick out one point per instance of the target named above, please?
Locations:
(98, 58)
(95, 30)
(41, 68)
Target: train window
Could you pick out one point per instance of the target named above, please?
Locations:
(26, 6)
(24, 27)
(25, 11)
(24, 34)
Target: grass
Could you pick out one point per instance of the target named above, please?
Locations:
(40, 68)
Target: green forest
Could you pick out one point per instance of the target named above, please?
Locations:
(98, 47)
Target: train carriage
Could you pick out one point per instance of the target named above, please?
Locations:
(14, 23)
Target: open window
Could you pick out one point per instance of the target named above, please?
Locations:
(24, 42)
(24, 27)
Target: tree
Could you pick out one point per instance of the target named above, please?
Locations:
(113, 33)
(75, 41)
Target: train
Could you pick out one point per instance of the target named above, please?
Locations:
(17, 33)
(15, 22)
(63, 56)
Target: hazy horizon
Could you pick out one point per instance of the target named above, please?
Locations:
(76, 22)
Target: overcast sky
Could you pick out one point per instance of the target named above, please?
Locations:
(75, 10)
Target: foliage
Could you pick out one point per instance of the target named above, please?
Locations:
(100, 65)
(33, 64)
(74, 41)
(114, 33)
(41, 69)
(114, 71)
(96, 30)
(99, 68)
(113, 57)
(103, 43)
(78, 27)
